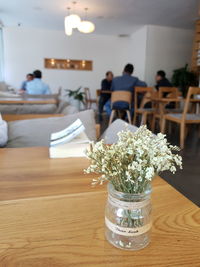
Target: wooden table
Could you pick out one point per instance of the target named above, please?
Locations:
(50, 216)
(109, 92)
(17, 117)
(27, 100)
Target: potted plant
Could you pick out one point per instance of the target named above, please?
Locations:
(129, 166)
(76, 97)
(183, 79)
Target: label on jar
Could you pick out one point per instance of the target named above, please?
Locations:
(127, 231)
(127, 205)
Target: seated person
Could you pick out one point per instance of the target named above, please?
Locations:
(37, 86)
(161, 80)
(105, 86)
(29, 77)
(126, 82)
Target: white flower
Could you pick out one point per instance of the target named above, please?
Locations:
(134, 160)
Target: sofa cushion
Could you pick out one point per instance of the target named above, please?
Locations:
(3, 132)
(110, 134)
(69, 110)
(3, 86)
(36, 132)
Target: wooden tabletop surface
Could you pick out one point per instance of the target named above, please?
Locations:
(106, 92)
(166, 99)
(169, 99)
(27, 100)
(50, 216)
(17, 117)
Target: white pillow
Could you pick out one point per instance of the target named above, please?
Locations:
(3, 132)
(110, 135)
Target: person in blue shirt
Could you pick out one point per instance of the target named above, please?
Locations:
(37, 86)
(126, 82)
(29, 77)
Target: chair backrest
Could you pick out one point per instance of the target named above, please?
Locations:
(98, 92)
(191, 92)
(147, 93)
(124, 96)
(171, 92)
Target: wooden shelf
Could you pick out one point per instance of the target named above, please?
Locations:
(68, 64)
(196, 49)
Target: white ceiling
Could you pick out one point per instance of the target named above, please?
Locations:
(110, 16)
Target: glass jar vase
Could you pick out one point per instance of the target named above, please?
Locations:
(128, 219)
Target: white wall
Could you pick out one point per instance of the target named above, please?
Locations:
(26, 48)
(150, 48)
(138, 51)
(167, 49)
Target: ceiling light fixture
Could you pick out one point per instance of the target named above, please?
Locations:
(86, 26)
(73, 21)
(68, 28)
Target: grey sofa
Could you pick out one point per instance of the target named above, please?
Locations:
(36, 132)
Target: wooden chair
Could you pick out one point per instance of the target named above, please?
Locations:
(88, 100)
(140, 109)
(160, 110)
(98, 93)
(183, 118)
(124, 96)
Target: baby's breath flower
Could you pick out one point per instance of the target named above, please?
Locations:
(131, 163)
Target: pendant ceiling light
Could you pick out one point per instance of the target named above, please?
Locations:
(86, 26)
(73, 21)
(68, 28)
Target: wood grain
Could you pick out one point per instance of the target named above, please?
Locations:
(27, 100)
(51, 217)
(28, 172)
(69, 231)
(17, 117)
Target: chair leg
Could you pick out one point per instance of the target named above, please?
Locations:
(134, 118)
(169, 127)
(182, 135)
(144, 119)
(153, 123)
(111, 117)
(163, 125)
(186, 130)
(129, 116)
(119, 114)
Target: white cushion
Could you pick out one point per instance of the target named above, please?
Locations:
(3, 86)
(69, 110)
(188, 116)
(3, 132)
(110, 135)
(36, 132)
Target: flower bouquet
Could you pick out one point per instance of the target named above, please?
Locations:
(129, 166)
